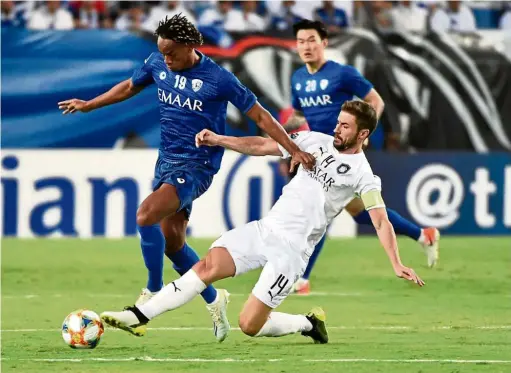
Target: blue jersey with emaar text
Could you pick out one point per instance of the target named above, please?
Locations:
(190, 101)
(320, 95)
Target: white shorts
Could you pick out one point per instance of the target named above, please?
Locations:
(253, 246)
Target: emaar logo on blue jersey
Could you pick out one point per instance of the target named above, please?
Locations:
(178, 100)
(313, 101)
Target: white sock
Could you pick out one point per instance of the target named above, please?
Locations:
(174, 295)
(280, 324)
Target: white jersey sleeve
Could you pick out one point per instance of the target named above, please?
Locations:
(305, 140)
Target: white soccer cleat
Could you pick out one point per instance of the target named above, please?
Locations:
(125, 320)
(144, 296)
(218, 311)
(301, 287)
(430, 241)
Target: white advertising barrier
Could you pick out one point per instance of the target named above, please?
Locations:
(87, 193)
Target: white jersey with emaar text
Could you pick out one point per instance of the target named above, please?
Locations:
(313, 198)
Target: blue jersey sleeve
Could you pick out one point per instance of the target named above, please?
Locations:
(295, 101)
(231, 89)
(143, 75)
(355, 83)
(341, 17)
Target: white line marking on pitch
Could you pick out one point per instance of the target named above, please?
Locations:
(230, 360)
(382, 327)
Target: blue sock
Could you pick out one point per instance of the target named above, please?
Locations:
(314, 257)
(401, 225)
(153, 247)
(184, 260)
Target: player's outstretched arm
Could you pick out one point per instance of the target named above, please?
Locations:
(388, 240)
(374, 99)
(117, 93)
(268, 124)
(251, 145)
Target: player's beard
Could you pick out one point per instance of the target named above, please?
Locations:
(346, 144)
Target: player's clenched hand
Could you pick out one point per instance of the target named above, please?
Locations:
(408, 274)
(73, 105)
(305, 159)
(206, 137)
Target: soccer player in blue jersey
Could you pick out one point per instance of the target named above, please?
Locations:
(193, 92)
(318, 91)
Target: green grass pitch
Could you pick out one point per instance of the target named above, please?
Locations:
(459, 322)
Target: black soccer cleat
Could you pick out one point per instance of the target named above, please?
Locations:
(130, 320)
(318, 332)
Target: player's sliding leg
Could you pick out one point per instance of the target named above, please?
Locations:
(217, 265)
(259, 320)
(216, 299)
(179, 252)
(302, 286)
(177, 293)
(273, 286)
(184, 258)
(427, 237)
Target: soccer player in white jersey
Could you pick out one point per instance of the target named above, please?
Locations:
(318, 90)
(282, 242)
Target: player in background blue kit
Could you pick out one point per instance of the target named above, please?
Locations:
(193, 92)
(318, 91)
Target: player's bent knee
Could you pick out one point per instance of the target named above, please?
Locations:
(205, 271)
(144, 218)
(248, 327)
(200, 268)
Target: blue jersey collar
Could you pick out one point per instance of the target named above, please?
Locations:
(320, 69)
(201, 61)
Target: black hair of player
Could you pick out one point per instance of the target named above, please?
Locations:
(179, 29)
(364, 113)
(306, 24)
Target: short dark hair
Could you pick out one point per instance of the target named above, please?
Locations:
(364, 113)
(179, 29)
(306, 24)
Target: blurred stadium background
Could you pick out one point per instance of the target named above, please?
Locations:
(442, 150)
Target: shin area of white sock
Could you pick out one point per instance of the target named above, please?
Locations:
(280, 324)
(174, 295)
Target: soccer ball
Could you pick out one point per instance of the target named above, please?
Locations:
(82, 329)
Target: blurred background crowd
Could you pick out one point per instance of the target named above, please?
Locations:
(442, 67)
(259, 16)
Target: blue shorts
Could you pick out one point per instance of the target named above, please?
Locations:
(191, 180)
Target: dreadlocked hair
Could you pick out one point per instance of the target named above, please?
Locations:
(179, 29)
